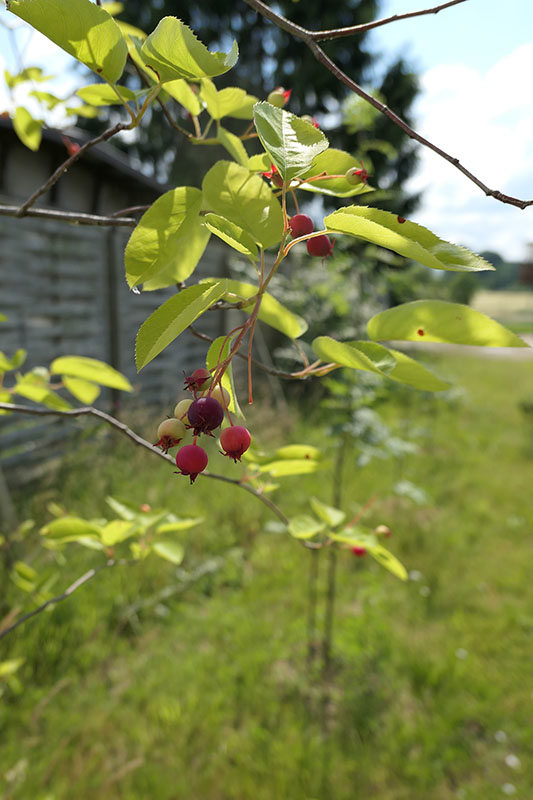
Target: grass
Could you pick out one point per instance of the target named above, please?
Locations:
(513, 309)
(208, 693)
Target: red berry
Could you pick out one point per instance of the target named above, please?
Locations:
(191, 460)
(320, 246)
(301, 224)
(199, 380)
(205, 414)
(357, 550)
(235, 441)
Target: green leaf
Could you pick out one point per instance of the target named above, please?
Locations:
(168, 241)
(334, 162)
(90, 369)
(356, 535)
(440, 321)
(81, 28)
(228, 102)
(259, 163)
(8, 668)
(25, 571)
(34, 74)
(173, 51)
(291, 142)
(124, 511)
(182, 92)
(409, 371)
(178, 525)
(331, 516)
(230, 233)
(70, 527)
(218, 351)
(387, 560)
(101, 94)
(171, 551)
(233, 145)
(84, 391)
(169, 320)
(299, 451)
(89, 112)
(28, 129)
(245, 199)
(16, 361)
(407, 238)
(286, 467)
(355, 355)
(39, 392)
(303, 527)
(271, 312)
(49, 99)
(117, 531)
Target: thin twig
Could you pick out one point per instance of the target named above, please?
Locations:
(47, 185)
(74, 218)
(307, 37)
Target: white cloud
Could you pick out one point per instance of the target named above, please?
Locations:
(485, 120)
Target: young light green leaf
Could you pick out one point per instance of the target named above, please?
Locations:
(228, 102)
(286, 467)
(81, 28)
(34, 74)
(116, 531)
(240, 240)
(182, 92)
(356, 536)
(169, 320)
(328, 514)
(291, 142)
(171, 551)
(271, 312)
(88, 112)
(355, 355)
(28, 129)
(233, 145)
(70, 527)
(409, 371)
(90, 369)
(169, 240)
(406, 238)
(218, 351)
(101, 94)
(40, 393)
(303, 527)
(178, 525)
(16, 361)
(245, 199)
(298, 451)
(173, 51)
(8, 668)
(49, 99)
(387, 560)
(334, 162)
(259, 163)
(124, 511)
(440, 321)
(84, 391)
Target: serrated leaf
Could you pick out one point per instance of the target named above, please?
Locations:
(70, 527)
(286, 467)
(101, 94)
(82, 29)
(84, 391)
(406, 238)
(355, 355)
(291, 142)
(218, 351)
(232, 234)
(298, 451)
(28, 129)
(233, 192)
(116, 531)
(303, 527)
(182, 92)
(90, 369)
(7, 364)
(168, 241)
(334, 162)
(173, 52)
(328, 514)
(233, 145)
(170, 319)
(169, 550)
(440, 321)
(272, 312)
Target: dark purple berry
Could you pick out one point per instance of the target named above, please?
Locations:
(205, 414)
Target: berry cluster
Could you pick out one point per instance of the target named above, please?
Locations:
(202, 414)
(319, 246)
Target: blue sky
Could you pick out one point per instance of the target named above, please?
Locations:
(475, 62)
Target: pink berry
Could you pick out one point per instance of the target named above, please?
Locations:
(301, 224)
(235, 441)
(205, 414)
(191, 460)
(199, 380)
(357, 550)
(320, 246)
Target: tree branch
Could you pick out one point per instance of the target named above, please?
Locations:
(307, 37)
(23, 209)
(75, 218)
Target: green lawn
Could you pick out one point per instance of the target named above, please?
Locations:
(143, 687)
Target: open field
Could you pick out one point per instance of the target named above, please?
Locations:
(143, 686)
(514, 309)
